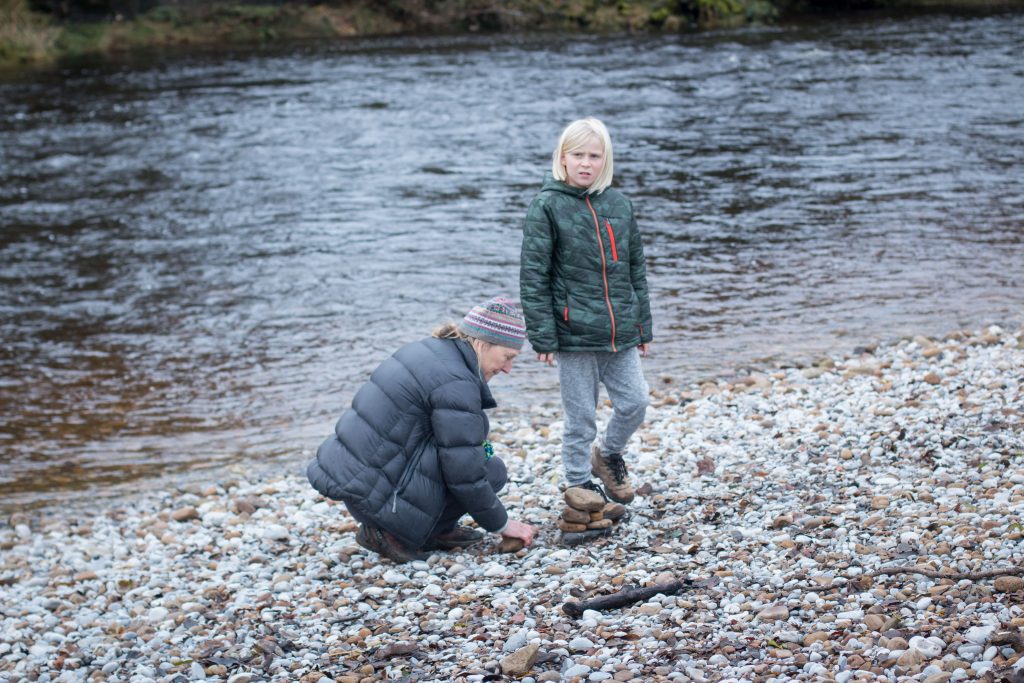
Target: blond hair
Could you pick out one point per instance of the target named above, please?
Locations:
(451, 330)
(575, 135)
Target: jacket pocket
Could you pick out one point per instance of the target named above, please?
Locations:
(570, 315)
(560, 308)
(410, 469)
(611, 240)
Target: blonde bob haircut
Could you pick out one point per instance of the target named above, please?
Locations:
(575, 135)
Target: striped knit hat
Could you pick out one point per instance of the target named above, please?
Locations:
(498, 321)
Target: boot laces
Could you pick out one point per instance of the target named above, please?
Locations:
(594, 486)
(617, 466)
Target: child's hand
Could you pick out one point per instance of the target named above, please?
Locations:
(643, 350)
(548, 358)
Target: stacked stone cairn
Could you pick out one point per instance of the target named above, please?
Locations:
(587, 515)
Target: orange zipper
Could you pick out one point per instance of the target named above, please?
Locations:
(611, 237)
(604, 267)
(565, 314)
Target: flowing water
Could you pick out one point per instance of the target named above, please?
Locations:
(203, 257)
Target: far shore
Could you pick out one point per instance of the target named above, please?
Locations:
(31, 40)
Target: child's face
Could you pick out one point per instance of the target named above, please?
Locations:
(584, 164)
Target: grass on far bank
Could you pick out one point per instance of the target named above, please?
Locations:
(24, 35)
(27, 37)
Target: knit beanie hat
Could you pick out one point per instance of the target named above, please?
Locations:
(498, 321)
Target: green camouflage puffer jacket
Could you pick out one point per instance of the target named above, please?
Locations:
(583, 278)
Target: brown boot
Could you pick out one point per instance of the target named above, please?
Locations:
(386, 545)
(611, 470)
(456, 539)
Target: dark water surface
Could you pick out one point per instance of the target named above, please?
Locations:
(202, 258)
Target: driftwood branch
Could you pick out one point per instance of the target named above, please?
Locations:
(626, 596)
(1012, 638)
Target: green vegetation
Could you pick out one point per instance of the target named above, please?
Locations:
(24, 35)
(218, 24)
(29, 37)
(39, 32)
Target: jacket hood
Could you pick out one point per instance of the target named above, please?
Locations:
(550, 184)
(473, 363)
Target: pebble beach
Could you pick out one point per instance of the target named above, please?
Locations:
(857, 519)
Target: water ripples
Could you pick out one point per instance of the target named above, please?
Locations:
(204, 258)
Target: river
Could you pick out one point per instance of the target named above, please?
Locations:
(203, 257)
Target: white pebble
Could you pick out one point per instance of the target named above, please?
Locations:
(392, 577)
(275, 532)
(979, 635)
(927, 646)
(980, 668)
(158, 614)
(581, 643)
(495, 569)
(576, 670)
(516, 640)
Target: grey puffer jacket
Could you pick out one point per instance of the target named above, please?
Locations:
(414, 431)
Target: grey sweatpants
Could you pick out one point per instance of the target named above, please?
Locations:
(580, 375)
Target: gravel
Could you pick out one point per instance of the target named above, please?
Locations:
(815, 511)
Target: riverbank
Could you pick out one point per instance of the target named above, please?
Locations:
(845, 521)
(29, 38)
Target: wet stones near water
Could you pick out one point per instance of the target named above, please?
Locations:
(820, 480)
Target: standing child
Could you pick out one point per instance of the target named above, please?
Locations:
(583, 285)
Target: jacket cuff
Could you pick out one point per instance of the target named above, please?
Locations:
(504, 524)
(541, 347)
